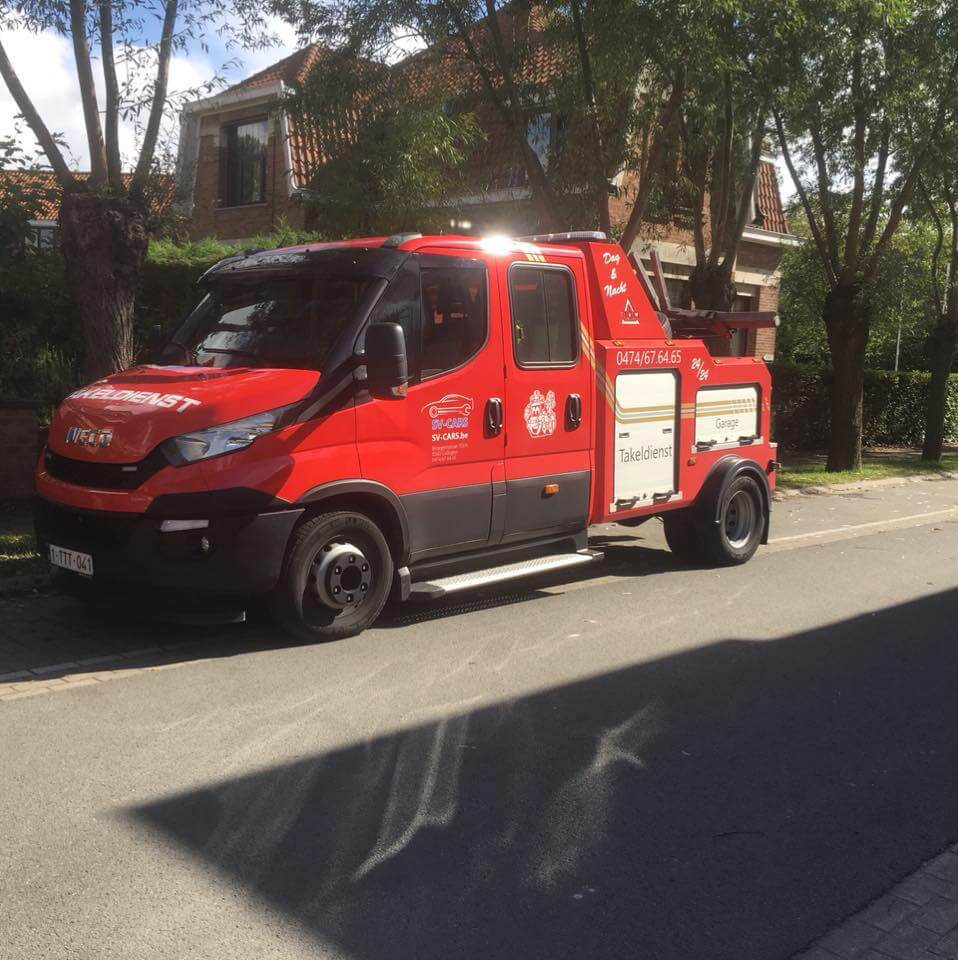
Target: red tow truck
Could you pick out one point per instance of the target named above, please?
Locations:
(418, 414)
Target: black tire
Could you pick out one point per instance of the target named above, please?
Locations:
(694, 536)
(683, 535)
(741, 524)
(319, 563)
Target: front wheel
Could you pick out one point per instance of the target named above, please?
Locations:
(336, 577)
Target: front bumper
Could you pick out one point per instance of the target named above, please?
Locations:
(244, 551)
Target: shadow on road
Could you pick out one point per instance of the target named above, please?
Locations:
(57, 635)
(734, 801)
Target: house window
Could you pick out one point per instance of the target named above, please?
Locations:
(246, 145)
(544, 323)
(539, 136)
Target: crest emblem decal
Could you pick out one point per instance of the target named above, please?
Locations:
(540, 414)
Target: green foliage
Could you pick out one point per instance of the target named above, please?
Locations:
(893, 412)
(40, 328)
(20, 198)
(900, 292)
(382, 153)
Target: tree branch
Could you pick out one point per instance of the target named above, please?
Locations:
(853, 236)
(112, 106)
(878, 189)
(939, 244)
(820, 244)
(145, 162)
(911, 179)
(35, 122)
(509, 112)
(91, 114)
(951, 298)
(824, 193)
(720, 196)
(731, 244)
(588, 89)
(698, 176)
(652, 166)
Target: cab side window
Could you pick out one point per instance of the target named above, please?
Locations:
(455, 316)
(400, 304)
(544, 322)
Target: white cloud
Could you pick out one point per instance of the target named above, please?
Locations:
(45, 65)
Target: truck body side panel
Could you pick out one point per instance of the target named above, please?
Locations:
(698, 375)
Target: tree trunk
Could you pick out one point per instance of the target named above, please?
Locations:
(847, 321)
(104, 245)
(711, 287)
(943, 359)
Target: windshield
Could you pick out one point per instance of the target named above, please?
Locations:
(276, 321)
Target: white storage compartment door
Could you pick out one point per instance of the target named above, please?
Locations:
(726, 416)
(645, 436)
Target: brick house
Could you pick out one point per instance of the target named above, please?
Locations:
(243, 170)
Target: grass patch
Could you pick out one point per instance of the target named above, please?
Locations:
(17, 557)
(873, 468)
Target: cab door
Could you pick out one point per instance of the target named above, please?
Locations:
(435, 447)
(549, 401)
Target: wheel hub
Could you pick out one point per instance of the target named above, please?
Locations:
(342, 575)
(739, 519)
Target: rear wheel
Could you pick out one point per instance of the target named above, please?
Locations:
(741, 523)
(693, 534)
(336, 577)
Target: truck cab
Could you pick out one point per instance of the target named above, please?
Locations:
(411, 414)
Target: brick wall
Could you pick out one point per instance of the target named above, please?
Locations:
(19, 442)
(210, 217)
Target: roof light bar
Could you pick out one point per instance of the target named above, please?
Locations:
(597, 235)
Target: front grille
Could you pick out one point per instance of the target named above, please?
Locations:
(81, 529)
(104, 476)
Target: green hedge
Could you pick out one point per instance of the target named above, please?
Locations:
(893, 409)
(40, 337)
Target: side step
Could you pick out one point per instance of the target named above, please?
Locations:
(508, 571)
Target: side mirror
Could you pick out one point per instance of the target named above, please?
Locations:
(387, 372)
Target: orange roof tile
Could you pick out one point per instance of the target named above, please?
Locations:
(769, 199)
(44, 189)
(291, 70)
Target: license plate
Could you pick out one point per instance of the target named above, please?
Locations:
(71, 560)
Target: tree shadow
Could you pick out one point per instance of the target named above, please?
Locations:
(733, 801)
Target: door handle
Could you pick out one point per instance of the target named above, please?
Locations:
(573, 411)
(493, 417)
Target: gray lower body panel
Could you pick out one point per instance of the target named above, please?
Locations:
(460, 519)
(449, 520)
(530, 512)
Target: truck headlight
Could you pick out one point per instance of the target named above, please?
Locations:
(223, 438)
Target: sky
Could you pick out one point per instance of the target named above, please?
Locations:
(46, 67)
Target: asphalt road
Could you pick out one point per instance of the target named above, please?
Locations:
(645, 762)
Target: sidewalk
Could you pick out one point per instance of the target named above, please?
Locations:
(916, 920)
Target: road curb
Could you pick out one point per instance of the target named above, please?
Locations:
(826, 488)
